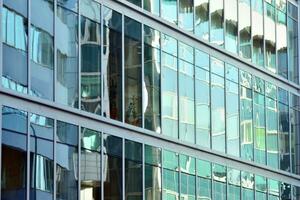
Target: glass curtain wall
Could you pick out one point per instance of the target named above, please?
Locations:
(90, 164)
(217, 22)
(204, 179)
(187, 177)
(219, 173)
(281, 45)
(246, 112)
(133, 71)
(270, 37)
(232, 111)
(186, 96)
(295, 132)
(42, 49)
(67, 57)
(202, 98)
(257, 32)
(170, 175)
(169, 86)
(112, 64)
(90, 45)
(231, 25)
(202, 19)
(245, 29)
(15, 46)
(153, 175)
(67, 162)
(151, 85)
(41, 157)
(14, 154)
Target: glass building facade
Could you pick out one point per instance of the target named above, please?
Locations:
(149, 100)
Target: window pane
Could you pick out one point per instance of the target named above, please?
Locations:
(90, 45)
(14, 155)
(204, 169)
(169, 96)
(151, 90)
(133, 170)
(232, 118)
(170, 160)
(216, 24)
(69, 4)
(231, 25)
(218, 113)
(112, 61)
(245, 28)
(187, 164)
(41, 158)
(136, 2)
(170, 184)
(133, 72)
(67, 57)
(152, 6)
(188, 187)
(270, 41)
(186, 102)
(152, 155)
(203, 188)
(246, 126)
(293, 50)
(169, 10)
(281, 46)
(202, 19)
(152, 182)
(113, 169)
(257, 32)
(186, 15)
(259, 128)
(67, 133)
(90, 139)
(234, 192)
(14, 50)
(284, 137)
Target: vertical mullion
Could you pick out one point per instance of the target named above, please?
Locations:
(143, 77)
(28, 158)
(102, 166)
(79, 160)
(210, 107)
(143, 168)
(195, 100)
(178, 92)
(79, 57)
(101, 58)
(1, 60)
(123, 71)
(54, 159)
(160, 83)
(239, 113)
(264, 39)
(225, 113)
(123, 169)
(1, 107)
(28, 45)
(55, 52)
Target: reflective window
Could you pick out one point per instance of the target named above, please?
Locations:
(231, 24)
(112, 64)
(169, 87)
(260, 187)
(112, 179)
(14, 50)
(90, 45)
(14, 154)
(246, 123)
(133, 170)
(245, 28)
(293, 47)
(219, 182)
(202, 59)
(281, 46)
(151, 85)
(169, 10)
(186, 14)
(247, 180)
(202, 19)
(273, 189)
(285, 191)
(295, 131)
(232, 118)
(202, 98)
(259, 124)
(234, 184)
(218, 113)
(67, 162)
(270, 41)
(217, 22)
(152, 173)
(136, 2)
(69, 4)
(67, 57)
(257, 31)
(41, 157)
(272, 134)
(186, 97)
(170, 175)
(284, 136)
(133, 72)
(281, 5)
(152, 6)
(187, 178)
(90, 164)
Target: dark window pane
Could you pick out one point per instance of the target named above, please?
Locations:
(136, 2)
(67, 133)
(152, 155)
(112, 61)
(152, 182)
(67, 57)
(133, 72)
(284, 137)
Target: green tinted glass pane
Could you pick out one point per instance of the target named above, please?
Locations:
(170, 184)
(203, 168)
(261, 183)
(133, 151)
(152, 182)
(203, 188)
(245, 79)
(187, 164)
(247, 194)
(169, 44)
(232, 73)
(90, 139)
(234, 192)
(170, 160)
(219, 190)
(152, 155)
(247, 180)
(273, 187)
(219, 172)
(234, 176)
